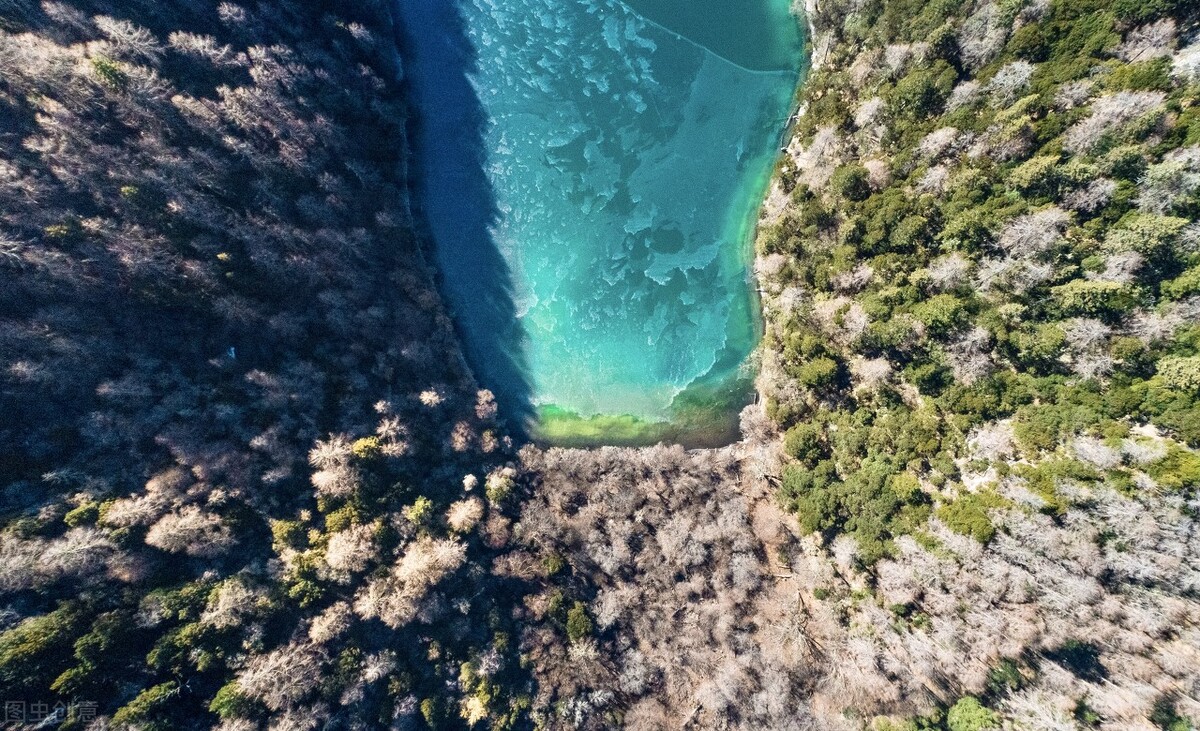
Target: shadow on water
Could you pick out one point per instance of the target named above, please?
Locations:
(456, 203)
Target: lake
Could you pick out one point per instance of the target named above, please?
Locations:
(590, 174)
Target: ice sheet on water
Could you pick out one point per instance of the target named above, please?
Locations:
(620, 156)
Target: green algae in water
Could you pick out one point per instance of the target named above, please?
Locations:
(628, 159)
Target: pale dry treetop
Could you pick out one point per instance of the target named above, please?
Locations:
(868, 112)
(192, 531)
(1146, 42)
(969, 355)
(879, 173)
(841, 318)
(232, 602)
(205, 47)
(463, 515)
(1096, 453)
(865, 65)
(854, 279)
(1168, 183)
(949, 271)
(897, 56)
(352, 550)
(331, 623)
(231, 14)
(935, 180)
(938, 142)
(1074, 94)
(1086, 333)
(814, 161)
(282, 678)
(992, 441)
(128, 40)
(870, 372)
(1092, 197)
(964, 94)
(1143, 451)
(1009, 83)
(1033, 234)
(1186, 63)
(1109, 113)
(982, 35)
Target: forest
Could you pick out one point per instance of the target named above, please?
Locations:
(240, 447)
(248, 480)
(980, 258)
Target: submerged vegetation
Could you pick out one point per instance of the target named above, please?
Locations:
(246, 481)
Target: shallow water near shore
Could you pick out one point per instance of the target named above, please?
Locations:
(623, 150)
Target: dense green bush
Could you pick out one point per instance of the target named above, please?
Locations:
(850, 182)
(1178, 470)
(1180, 373)
(818, 373)
(579, 624)
(968, 515)
(968, 714)
(33, 653)
(804, 443)
(141, 712)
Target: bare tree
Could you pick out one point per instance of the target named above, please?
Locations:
(1186, 63)
(1009, 82)
(191, 531)
(1146, 42)
(128, 40)
(1109, 113)
(464, 515)
(282, 678)
(396, 599)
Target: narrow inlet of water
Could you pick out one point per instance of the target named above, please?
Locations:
(590, 172)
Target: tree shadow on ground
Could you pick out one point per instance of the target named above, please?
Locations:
(455, 203)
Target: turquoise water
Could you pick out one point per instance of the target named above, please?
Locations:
(626, 147)
(760, 35)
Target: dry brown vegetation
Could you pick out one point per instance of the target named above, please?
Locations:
(709, 608)
(692, 625)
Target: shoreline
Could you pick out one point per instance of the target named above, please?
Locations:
(716, 426)
(706, 411)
